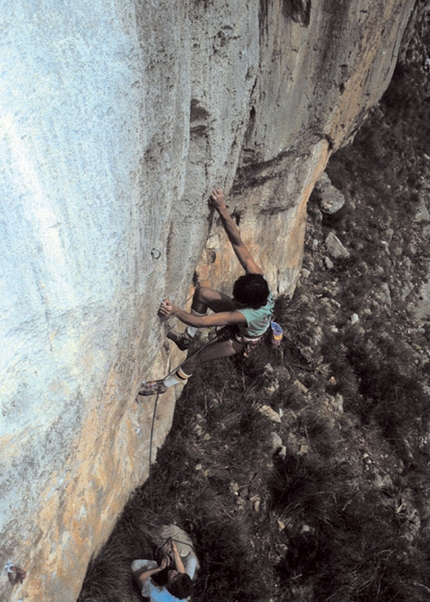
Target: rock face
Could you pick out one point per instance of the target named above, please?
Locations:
(117, 119)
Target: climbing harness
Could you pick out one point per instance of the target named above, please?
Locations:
(247, 345)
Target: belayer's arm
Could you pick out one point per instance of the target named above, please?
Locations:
(144, 577)
(178, 560)
(232, 231)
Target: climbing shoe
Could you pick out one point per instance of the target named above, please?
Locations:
(153, 387)
(181, 339)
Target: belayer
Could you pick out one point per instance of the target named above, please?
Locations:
(247, 314)
(170, 577)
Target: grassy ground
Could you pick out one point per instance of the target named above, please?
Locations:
(342, 513)
(334, 518)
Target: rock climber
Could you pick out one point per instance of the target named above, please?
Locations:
(247, 313)
(169, 579)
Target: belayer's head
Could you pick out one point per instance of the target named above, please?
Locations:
(179, 585)
(251, 290)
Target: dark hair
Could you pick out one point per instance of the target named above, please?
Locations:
(181, 586)
(251, 290)
(162, 577)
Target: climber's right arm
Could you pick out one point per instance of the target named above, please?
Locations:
(241, 250)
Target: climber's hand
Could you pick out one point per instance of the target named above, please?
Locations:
(166, 308)
(217, 200)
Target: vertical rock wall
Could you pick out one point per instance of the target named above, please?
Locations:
(117, 118)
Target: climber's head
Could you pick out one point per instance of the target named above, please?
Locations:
(179, 584)
(251, 290)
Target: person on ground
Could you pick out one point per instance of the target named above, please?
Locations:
(247, 313)
(169, 580)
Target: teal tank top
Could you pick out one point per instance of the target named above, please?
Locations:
(257, 320)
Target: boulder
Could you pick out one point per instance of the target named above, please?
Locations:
(330, 198)
(335, 247)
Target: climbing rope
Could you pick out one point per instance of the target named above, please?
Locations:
(154, 412)
(150, 450)
(184, 543)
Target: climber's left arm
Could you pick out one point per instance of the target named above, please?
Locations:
(223, 318)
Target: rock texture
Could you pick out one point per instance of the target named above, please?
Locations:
(116, 121)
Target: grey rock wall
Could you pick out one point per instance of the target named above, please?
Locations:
(116, 121)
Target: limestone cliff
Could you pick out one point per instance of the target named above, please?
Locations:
(116, 121)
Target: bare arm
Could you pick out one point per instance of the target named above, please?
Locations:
(222, 318)
(232, 231)
(178, 560)
(143, 577)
